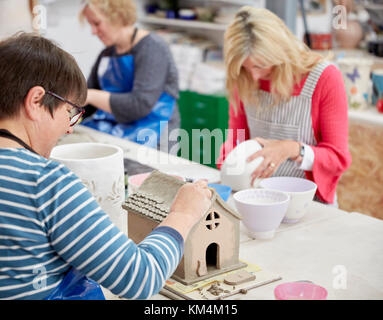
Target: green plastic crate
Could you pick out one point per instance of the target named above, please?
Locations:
(204, 119)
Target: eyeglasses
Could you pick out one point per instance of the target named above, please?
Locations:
(75, 113)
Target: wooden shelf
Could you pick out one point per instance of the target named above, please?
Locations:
(184, 23)
(239, 2)
(369, 115)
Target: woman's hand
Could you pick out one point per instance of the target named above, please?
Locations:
(275, 152)
(192, 199)
(188, 207)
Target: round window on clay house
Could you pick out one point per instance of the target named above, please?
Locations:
(212, 220)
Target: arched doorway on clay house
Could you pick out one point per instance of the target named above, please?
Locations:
(212, 254)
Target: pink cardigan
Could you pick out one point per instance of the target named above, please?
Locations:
(329, 114)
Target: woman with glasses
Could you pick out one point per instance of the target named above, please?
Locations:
(133, 84)
(289, 99)
(52, 231)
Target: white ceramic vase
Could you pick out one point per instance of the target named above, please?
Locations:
(356, 75)
(101, 168)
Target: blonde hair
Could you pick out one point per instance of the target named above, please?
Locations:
(259, 33)
(118, 12)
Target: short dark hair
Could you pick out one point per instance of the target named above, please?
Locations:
(28, 60)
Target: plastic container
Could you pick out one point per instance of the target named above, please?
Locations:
(222, 190)
(186, 14)
(199, 111)
(320, 41)
(299, 291)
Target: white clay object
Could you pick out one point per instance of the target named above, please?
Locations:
(236, 171)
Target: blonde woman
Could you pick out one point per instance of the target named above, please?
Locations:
(289, 99)
(133, 84)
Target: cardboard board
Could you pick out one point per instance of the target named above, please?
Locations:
(215, 288)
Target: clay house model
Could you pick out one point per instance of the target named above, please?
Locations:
(212, 246)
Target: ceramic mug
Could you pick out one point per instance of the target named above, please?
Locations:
(377, 85)
(356, 75)
(101, 168)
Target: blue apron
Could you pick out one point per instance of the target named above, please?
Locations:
(76, 286)
(116, 75)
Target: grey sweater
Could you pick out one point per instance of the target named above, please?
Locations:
(155, 73)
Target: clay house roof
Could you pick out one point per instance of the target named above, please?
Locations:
(154, 197)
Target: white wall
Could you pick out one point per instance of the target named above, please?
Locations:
(64, 28)
(14, 16)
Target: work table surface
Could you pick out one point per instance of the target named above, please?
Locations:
(338, 250)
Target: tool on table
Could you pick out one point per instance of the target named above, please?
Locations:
(221, 286)
(245, 290)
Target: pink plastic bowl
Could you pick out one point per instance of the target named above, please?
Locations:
(299, 291)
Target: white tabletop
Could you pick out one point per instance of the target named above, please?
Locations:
(340, 251)
(343, 252)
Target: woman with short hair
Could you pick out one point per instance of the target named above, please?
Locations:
(289, 99)
(53, 234)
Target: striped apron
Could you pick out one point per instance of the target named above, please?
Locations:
(287, 120)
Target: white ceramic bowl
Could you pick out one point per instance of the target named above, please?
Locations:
(301, 191)
(236, 171)
(262, 210)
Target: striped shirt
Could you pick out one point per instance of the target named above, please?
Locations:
(49, 222)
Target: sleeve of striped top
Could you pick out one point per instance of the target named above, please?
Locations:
(84, 236)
